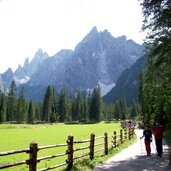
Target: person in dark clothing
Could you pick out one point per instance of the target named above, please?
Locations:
(147, 134)
(158, 136)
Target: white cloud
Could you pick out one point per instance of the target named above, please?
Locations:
(27, 25)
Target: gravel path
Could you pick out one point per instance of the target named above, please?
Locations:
(134, 158)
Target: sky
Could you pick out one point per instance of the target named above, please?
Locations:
(52, 25)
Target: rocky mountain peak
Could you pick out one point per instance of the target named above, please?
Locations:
(26, 63)
(8, 72)
(94, 30)
(106, 33)
(98, 59)
(8, 76)
(19, 67)
(40, 55)
(122, 38)
(38, 59)
(93, 34)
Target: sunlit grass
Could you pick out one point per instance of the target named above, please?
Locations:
(16, 137)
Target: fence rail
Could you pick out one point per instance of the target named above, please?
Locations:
(70, 144)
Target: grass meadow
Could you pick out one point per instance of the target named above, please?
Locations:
(19, 136)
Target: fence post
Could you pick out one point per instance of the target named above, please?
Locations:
(133, 131)
(106, 143)
(92, 138)
(169, 155)
(129, 133)
(70, 151)
(114, 139)
(125, 132)
(33, 156)
(121, 136)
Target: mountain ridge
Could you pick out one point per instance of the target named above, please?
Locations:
(99, 58)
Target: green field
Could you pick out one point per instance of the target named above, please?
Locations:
(16, 137)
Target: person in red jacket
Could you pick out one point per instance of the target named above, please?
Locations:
(158, 136)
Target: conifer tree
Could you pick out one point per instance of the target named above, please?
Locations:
(30, 119)
(48, 114)
(77, 107)
(54, 115)
(2, 108)
(38, 111)
(63, 105)
(11, 103)
(123, 107)
(73, 110)
(156, 80)
(134, 110)
(117, 110)
(21, 107)
(95, 105)
(85, 107)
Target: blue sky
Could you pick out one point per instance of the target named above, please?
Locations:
(52, 25)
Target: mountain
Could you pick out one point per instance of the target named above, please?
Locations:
(22, 74)
(98, 59)
(3, 88)
(33, 66)
(7, 77)
(127, 84)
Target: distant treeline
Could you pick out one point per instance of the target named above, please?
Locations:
(83, 107)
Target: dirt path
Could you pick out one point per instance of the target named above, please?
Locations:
(134, 158)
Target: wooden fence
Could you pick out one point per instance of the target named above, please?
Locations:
(70, 145)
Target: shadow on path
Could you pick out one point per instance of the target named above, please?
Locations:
(139, 163)
(132, 160)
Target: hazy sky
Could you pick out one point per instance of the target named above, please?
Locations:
(52, 25)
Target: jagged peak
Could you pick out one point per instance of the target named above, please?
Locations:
(9, 70)
(106, 31)
(91, 35)
(94, 30)
(26, 62)
(39, 55)
(19, 66)
(122, 38)
(39, 51)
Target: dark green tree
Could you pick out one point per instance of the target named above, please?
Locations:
(135, 110)
(38, 111)
(54, 116)
(31, 117)
(21, 107)
(12, 103)
(73, 110)
(63, 105)
(156, 76)
(49, 112)
(123, 108)
(3, 107)
(117, 110)
(77, 107)
(85, 107)
(95, 105)
(109, 112)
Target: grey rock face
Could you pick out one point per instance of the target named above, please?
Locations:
(98, 59)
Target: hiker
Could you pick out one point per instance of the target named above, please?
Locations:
(147, 134)
(158, 136)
